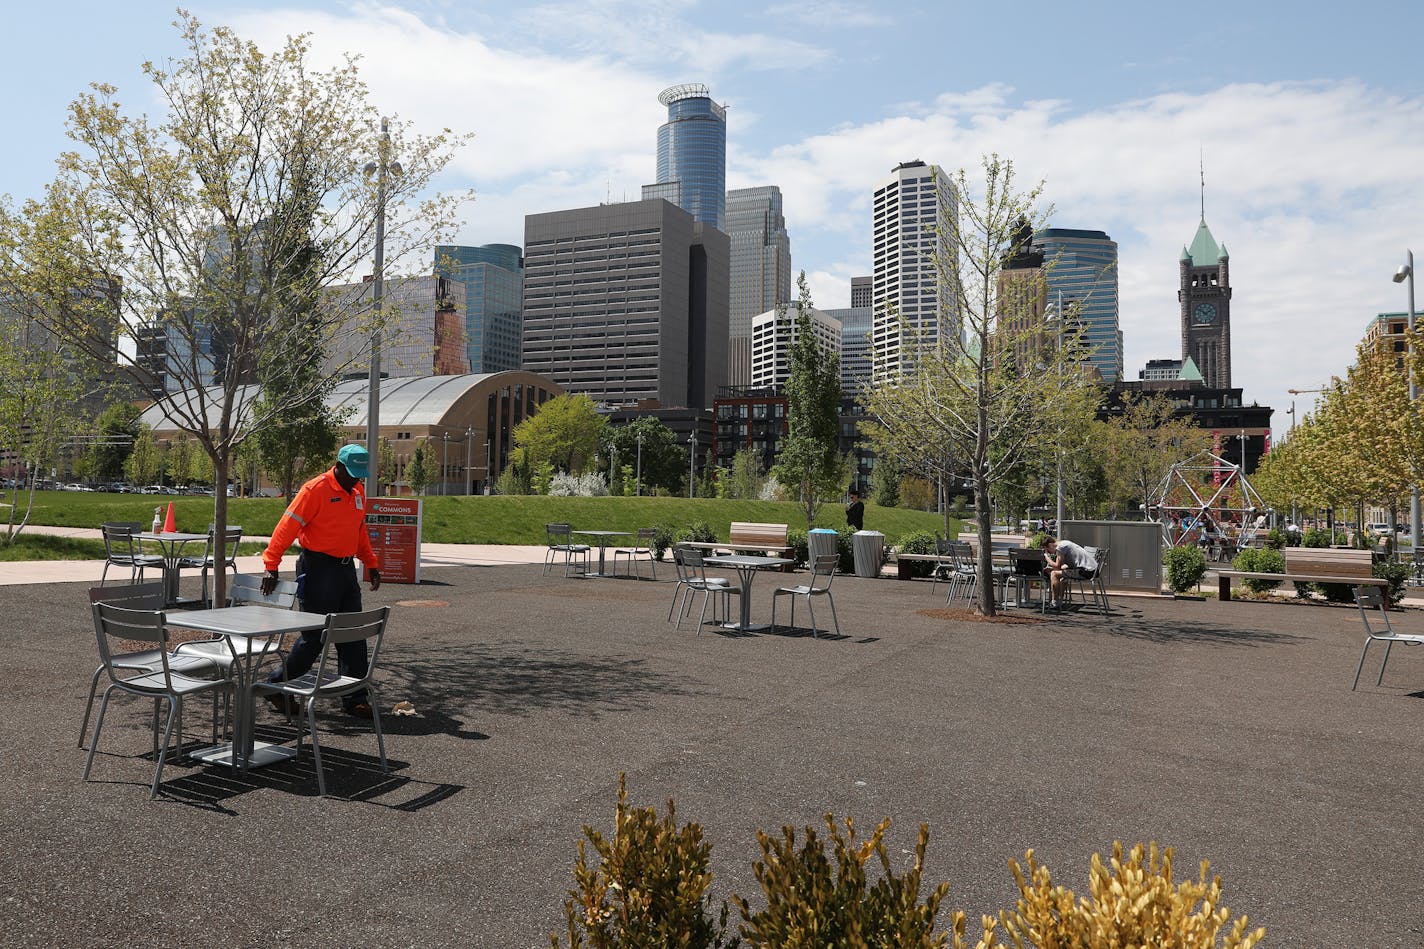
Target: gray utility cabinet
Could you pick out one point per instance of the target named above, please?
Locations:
(1135, 561)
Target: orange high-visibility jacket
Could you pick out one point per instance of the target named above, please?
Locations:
(325, 518)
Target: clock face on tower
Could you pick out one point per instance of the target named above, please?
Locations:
(1204, 314)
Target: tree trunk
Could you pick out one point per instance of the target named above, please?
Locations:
(222, 466)
(985, 573)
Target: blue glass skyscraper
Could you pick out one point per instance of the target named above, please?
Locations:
(1082, 271)
(493, 275)
(692, 154)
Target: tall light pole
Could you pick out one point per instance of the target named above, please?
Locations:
(692, 458)
(469, 460)
(489, 463)
(444, 463)
(382, 169)
(638, 491)
(1402, 274)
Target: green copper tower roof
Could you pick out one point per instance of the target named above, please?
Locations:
(1190, 372)
(1204, 251)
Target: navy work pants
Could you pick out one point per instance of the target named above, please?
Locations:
(327, 585)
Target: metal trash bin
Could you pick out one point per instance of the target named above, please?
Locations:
(869, 548)
(821, 540)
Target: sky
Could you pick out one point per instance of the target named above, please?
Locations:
(1307, 118)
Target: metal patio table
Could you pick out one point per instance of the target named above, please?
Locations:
(747, 568)
(248, 622)
(171, 544)
(601, 538)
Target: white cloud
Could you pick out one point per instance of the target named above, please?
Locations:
(830, 14)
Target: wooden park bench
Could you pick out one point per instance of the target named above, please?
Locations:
(750, 537)
(1313, 565)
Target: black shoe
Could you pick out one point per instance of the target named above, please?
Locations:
(286, 704)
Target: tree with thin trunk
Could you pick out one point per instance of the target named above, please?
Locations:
(194, 224)
(810, 464)
(993, 386)
(1143, 442)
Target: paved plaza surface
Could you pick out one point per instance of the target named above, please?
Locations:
(1226, 730)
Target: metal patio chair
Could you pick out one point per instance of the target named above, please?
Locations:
(1369, 599)
(823, 568)
(642, 547)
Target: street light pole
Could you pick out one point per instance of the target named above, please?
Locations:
(638, 491)
(691, 458)
(1402, 274)
(469, 460)
(382, 168)
(444, 463)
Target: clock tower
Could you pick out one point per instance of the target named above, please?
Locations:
(1205, 296)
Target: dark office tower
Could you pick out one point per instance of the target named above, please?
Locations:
(862, 291)
(627, 303)
(761, 269)
(1081, 271)
(493, 275)
(1205, 297)
(692, 154)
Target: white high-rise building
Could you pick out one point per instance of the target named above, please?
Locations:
(761, 270)
(774, 336)
(914, 212)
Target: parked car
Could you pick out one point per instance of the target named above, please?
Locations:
(151, 489)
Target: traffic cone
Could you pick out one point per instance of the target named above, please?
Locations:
(169, 527)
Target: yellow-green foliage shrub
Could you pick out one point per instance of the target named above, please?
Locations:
(1131, 902)
(649, 887)
(813, 901)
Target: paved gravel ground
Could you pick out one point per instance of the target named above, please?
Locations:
(1226, 730)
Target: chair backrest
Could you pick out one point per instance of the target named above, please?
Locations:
(117, 623)
(557, 533)
(350, 627)
(646, 536)
(1028, 562)
(232, 537)
(964, 556)
(1372, 598)
(945, 548)
(120, 538)
(823, 565)
(137, 596)
(247, 589)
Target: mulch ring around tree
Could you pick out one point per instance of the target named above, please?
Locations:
(1015, 618)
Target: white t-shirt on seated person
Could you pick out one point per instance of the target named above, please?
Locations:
(1078, 557)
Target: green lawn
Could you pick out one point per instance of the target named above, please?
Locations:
(504, 519)
(49, 547)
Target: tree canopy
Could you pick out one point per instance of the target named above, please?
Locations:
(565, 432)
(239, 199)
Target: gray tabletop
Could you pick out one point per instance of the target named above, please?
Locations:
(248, 620)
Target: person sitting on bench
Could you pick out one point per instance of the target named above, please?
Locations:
(1065, 556)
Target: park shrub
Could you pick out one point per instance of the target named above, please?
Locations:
(1276, 539)
(1131, 902)
(918, 542)
(698, 532)
(1037, 541)
(845, 547)
(799, 543)
(663, 538)
(1185, 568)
(648, 888)
(1397, 573)
(814, 899)
(1316, 537)
(1264, 560)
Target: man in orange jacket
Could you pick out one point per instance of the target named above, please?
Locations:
(328, 519)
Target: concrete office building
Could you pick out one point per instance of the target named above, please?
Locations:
(913, 210)
(627, 303)
(493, 277)
(1080, 268)
(692, 154)
(761, 269)
(424, 332)
(774, 336)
